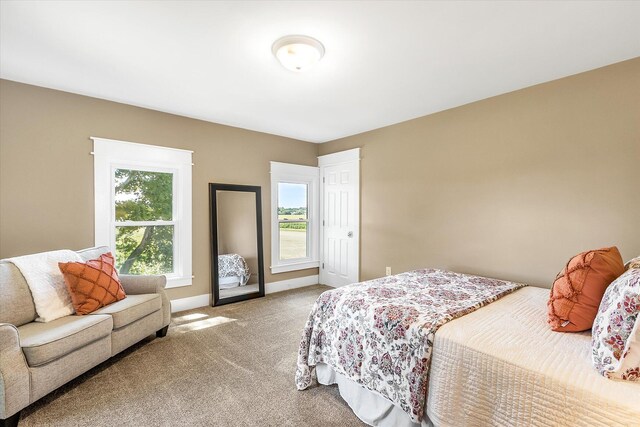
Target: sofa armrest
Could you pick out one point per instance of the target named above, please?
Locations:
(14, 373)
(136, 285)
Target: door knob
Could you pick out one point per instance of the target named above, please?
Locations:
(350, 234)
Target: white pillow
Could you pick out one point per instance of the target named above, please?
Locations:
(46, 282)
(616, 330)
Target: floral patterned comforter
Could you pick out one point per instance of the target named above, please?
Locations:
(380, 333)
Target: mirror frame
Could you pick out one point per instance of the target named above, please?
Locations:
(213, 206)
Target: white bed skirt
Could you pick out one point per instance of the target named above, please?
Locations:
(369, 406)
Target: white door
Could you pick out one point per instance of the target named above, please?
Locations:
(340, 228)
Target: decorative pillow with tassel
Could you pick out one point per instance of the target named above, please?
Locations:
(579, 287)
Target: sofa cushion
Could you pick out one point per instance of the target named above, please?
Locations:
(130, 309)
(45, 342)
(16, 303)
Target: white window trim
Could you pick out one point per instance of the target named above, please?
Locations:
(296, 174)
(110, 155)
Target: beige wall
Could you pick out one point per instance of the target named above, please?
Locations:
(237, 233)
(46, 171)
(509, 187)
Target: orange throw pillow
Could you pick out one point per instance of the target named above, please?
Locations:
(93, 284)
(579, 287)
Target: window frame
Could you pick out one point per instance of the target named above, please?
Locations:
(295, 174)
(110, 155)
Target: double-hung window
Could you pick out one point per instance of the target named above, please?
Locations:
(143, 208)
(294, 214)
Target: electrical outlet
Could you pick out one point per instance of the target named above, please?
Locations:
(388, 271)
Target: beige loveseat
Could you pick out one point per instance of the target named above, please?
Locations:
(36, 358)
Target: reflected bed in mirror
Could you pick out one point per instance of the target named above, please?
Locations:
(237, 270)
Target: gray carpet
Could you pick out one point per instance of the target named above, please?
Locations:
(226, 366)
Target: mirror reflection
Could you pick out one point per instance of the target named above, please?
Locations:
(238, 243)
(237, 248)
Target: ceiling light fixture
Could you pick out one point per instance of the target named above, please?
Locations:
(298, 53)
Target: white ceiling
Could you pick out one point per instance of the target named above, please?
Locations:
(385, 62)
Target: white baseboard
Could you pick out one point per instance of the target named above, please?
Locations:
(182, 304)
(285, 285)
(204, 300)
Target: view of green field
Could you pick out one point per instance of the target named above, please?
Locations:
(292, 215)
(293, 225)
(293, 236)
(293, 244)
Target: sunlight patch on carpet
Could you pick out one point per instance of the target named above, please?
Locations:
(203, 324)
(189, 317)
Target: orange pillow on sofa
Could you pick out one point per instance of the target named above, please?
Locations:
(93, 284)
(579, 287)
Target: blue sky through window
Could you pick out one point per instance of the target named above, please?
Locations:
(292, 195)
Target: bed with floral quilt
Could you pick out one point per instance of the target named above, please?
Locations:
(436, 348)
(379, 334)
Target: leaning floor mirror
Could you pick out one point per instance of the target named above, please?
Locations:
(237, 267)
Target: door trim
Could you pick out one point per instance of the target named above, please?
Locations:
(334, 159)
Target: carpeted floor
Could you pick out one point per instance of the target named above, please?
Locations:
(226, 366)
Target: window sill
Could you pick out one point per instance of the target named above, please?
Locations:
(178, 282)
(283, 268)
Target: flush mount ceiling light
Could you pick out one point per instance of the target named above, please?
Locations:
(298, 53)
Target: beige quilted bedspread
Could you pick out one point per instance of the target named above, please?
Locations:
(503, 366)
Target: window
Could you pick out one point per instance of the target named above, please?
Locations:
(143, 208)
(294, 232)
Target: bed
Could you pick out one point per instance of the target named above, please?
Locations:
(500, 364)
(233, 271)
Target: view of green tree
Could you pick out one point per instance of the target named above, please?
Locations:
(144, 196)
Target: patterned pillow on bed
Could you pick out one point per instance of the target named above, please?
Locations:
(616, 330)
(634, 263)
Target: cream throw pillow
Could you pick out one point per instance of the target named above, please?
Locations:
(46, 282)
